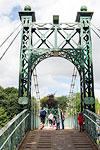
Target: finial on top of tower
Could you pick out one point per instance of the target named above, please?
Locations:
(83, 13)
(27, 8)
(27, 12)
(83, 8)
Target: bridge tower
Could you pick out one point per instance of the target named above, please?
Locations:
(78, 52)
(86, 72)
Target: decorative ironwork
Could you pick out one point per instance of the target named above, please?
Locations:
(12, 134)
(92, 126)
(54, 111)
(71, 41)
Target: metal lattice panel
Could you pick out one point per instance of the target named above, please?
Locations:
(71, 41)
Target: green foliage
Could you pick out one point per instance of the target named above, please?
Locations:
(74, 104)
(97, 106)
(50, 102)
(11, 90)
(4, 119)
(78, 102)
(43, 100)
(34, 106)
(8, 104)
(63, 102)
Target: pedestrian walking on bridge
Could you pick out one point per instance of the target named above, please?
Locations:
(50, 118)
(80, 120)
(58, 123)
(62, 118)
(43, 115)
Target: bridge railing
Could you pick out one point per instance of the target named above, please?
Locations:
(35, 121)
(71, 121)
(92, 126)
(12, 134)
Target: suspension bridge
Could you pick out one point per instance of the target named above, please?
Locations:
(71, 41)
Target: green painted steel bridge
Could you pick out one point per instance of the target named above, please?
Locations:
(39, 41)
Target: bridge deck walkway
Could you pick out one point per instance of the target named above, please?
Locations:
(50, 139)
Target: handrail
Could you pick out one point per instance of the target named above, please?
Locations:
(11, 122)
(12, 134)
(92, 126)
(94, 114)
(92, 120)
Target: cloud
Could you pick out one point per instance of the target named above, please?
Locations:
(50, 64)
(54, 74)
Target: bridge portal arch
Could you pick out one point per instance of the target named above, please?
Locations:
(71, 41)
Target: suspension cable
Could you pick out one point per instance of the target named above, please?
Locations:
(94, 30)
(95, 27)
(10, 35)
(96, 33)
(74, 75)
(10, 45)
(36, 86)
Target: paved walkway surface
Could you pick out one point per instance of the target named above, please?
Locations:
(50, 139)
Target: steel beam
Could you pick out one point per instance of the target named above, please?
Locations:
(71, 41)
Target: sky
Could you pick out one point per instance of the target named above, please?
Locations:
(54, 74)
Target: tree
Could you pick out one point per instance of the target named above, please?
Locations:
(74, 104)
(12, 108)
(8, 103)
(3, 98)
(43, 100)
(51, 102)
(63, 102)
(1, 89)
(11, 90)
(34, 105)
(4, 119)
(97, 106)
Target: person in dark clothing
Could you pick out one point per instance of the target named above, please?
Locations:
(43, 115)
(54, 120)
(62, 118)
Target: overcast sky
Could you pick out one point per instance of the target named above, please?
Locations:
(54, 74)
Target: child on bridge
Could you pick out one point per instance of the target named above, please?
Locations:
(80, 120)
(58, 123)
(50, 117)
